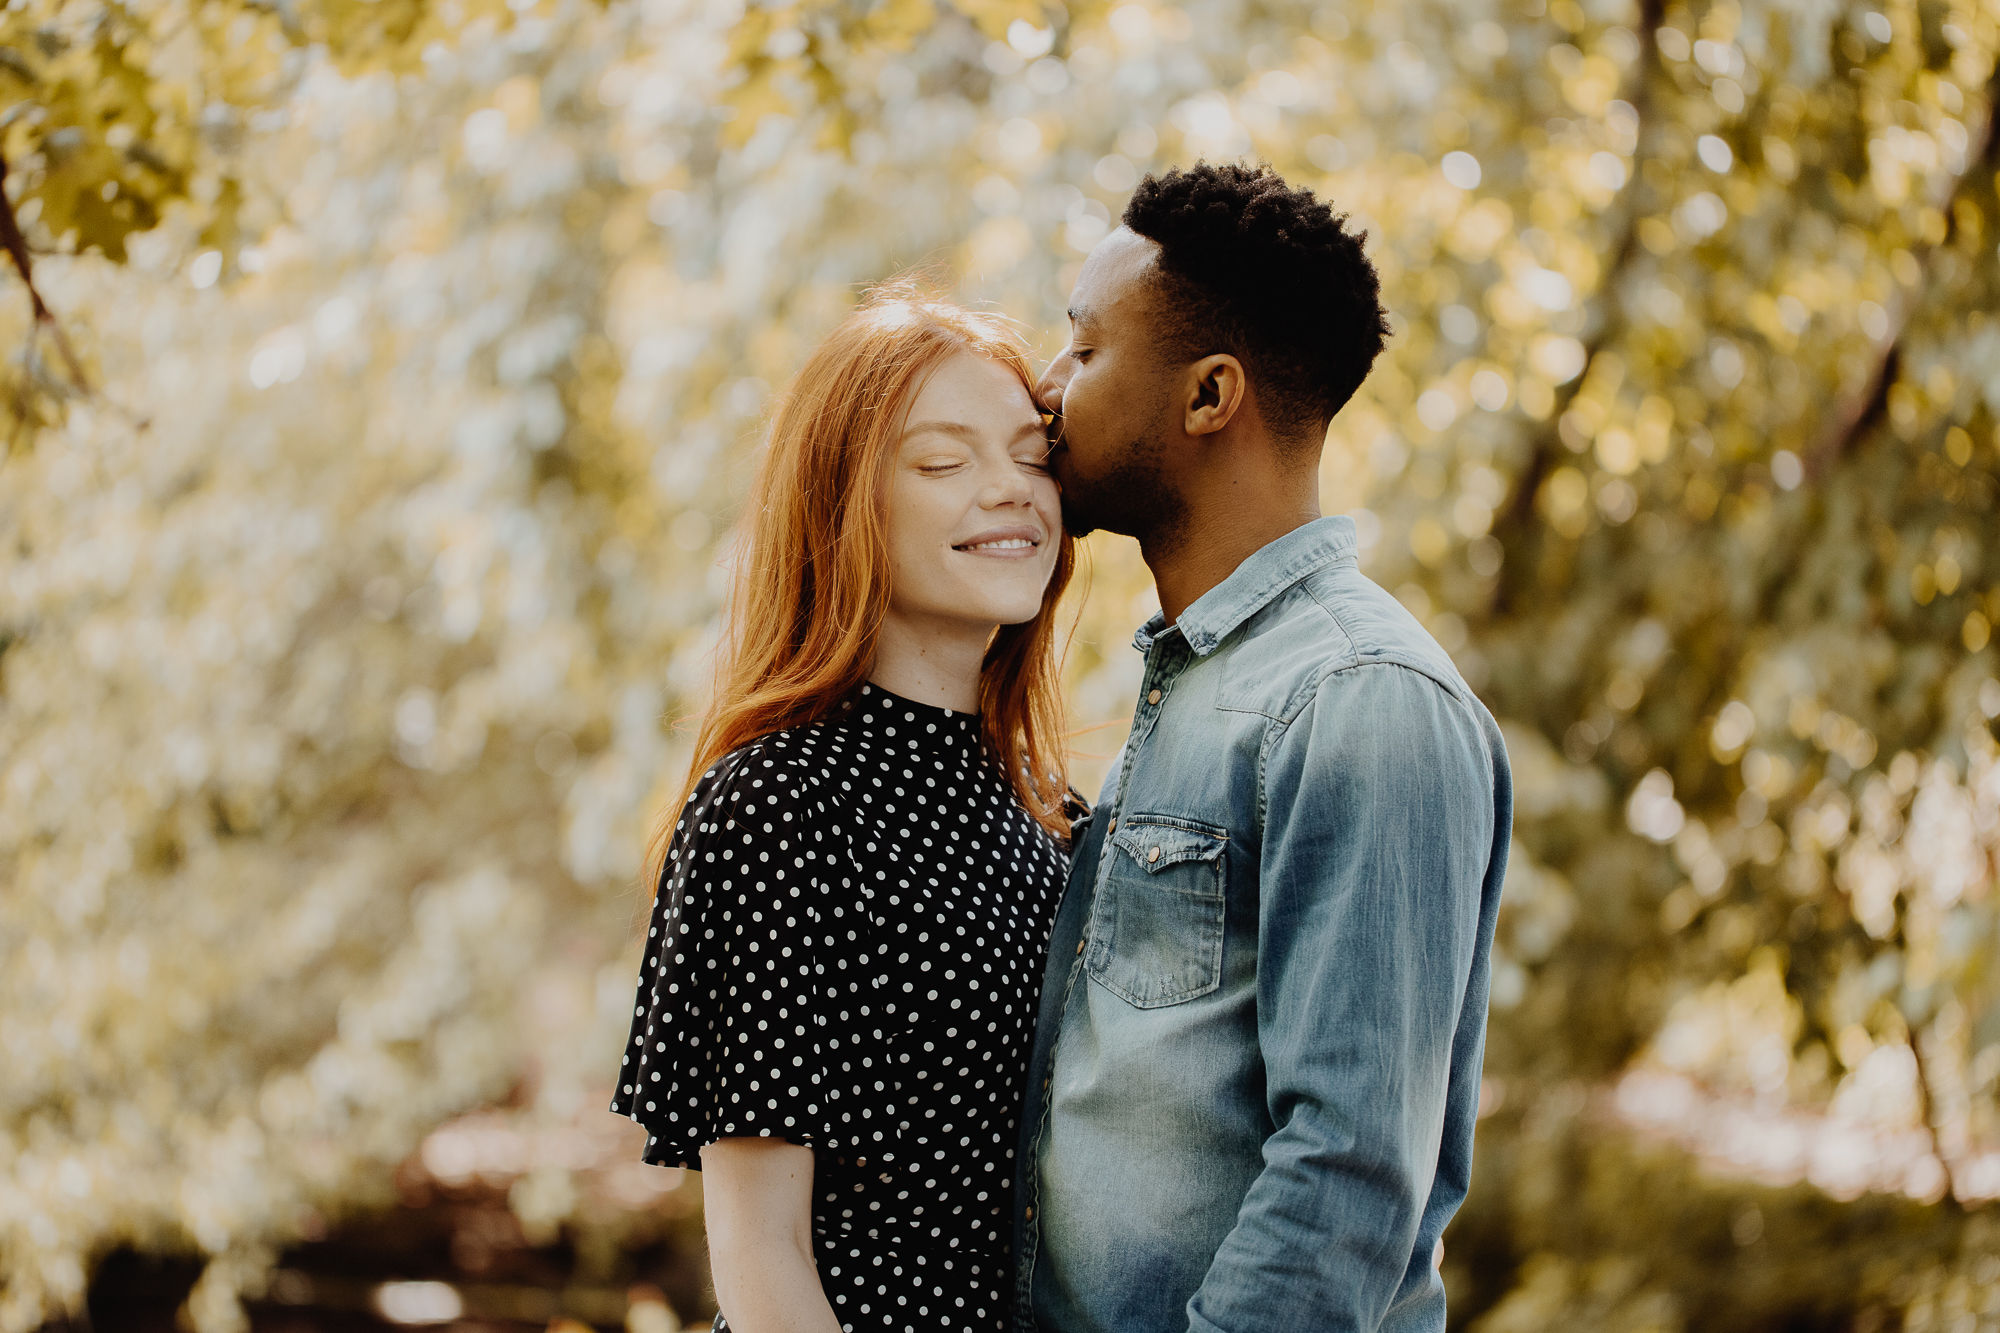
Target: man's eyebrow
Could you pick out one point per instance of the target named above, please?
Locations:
(1079, 314)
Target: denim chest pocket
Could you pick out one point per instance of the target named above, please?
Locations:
(1156, 926)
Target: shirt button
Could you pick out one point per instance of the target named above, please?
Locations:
(1079, 946)
(1027, 1212)
(1114, 826)
(1153, 698)
(1153, 855)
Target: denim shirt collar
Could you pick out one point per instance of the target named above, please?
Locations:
(1254, 583)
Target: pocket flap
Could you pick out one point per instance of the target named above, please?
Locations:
(1157, 845)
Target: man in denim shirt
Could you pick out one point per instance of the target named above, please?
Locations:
(1257, 1068)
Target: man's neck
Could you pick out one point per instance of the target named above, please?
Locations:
(1214, 538)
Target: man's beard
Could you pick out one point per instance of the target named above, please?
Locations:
(1133, 497)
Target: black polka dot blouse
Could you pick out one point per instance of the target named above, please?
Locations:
(846, 953)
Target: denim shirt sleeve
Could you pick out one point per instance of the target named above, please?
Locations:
(1378, 895)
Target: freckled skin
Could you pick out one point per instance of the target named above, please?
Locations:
(973, 526)
(972, 461)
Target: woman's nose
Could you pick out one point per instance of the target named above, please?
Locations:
(1010, 485)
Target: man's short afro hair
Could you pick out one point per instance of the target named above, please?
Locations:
(1252, 267)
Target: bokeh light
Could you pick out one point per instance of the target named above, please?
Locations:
(352, 600)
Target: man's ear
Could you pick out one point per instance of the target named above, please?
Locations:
(1217, 392)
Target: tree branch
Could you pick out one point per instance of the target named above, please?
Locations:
(16, 246)
(1851, 415)
(1520, 509)
(1935, 1117)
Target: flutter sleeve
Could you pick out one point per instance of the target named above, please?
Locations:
(735, 1030)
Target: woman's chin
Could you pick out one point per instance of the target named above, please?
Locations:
(1019, 610)
(999, 615)
(1015, 602)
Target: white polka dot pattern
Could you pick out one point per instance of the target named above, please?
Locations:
(846, 953)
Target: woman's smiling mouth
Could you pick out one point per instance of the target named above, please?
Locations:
(1006, 541)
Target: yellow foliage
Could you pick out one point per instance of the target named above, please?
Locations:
(994, 16)
(333, 699)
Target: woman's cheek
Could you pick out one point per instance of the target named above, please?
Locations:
(1048, 504)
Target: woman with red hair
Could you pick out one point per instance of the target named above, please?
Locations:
(838, 993)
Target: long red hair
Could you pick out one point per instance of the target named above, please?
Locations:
(811, 585)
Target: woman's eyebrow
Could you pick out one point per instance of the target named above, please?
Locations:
(960, 430)
(956, 428)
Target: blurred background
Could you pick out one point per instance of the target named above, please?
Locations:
(365, 486)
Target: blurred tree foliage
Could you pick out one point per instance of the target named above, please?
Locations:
(331, 702)
(114, 112)
(111, 114)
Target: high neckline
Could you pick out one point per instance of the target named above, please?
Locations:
(901, 721)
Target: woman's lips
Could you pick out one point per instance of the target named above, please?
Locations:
(1008, 542)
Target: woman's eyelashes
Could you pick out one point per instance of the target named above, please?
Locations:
(1035, 460)
(942, 461)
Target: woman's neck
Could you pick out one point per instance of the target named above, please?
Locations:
(931, 661)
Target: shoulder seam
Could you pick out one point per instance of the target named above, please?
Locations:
(1276, 731)
(1450, 691)
(1293, 701)
(1450, 685)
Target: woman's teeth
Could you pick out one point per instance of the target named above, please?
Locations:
(1011, 544)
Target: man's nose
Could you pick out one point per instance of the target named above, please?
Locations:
(1049, 389)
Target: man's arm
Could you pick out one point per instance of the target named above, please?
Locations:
(1378, 830)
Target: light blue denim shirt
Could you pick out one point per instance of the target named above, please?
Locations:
(1257, 1067)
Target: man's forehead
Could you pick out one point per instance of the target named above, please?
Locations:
(1113, 274)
